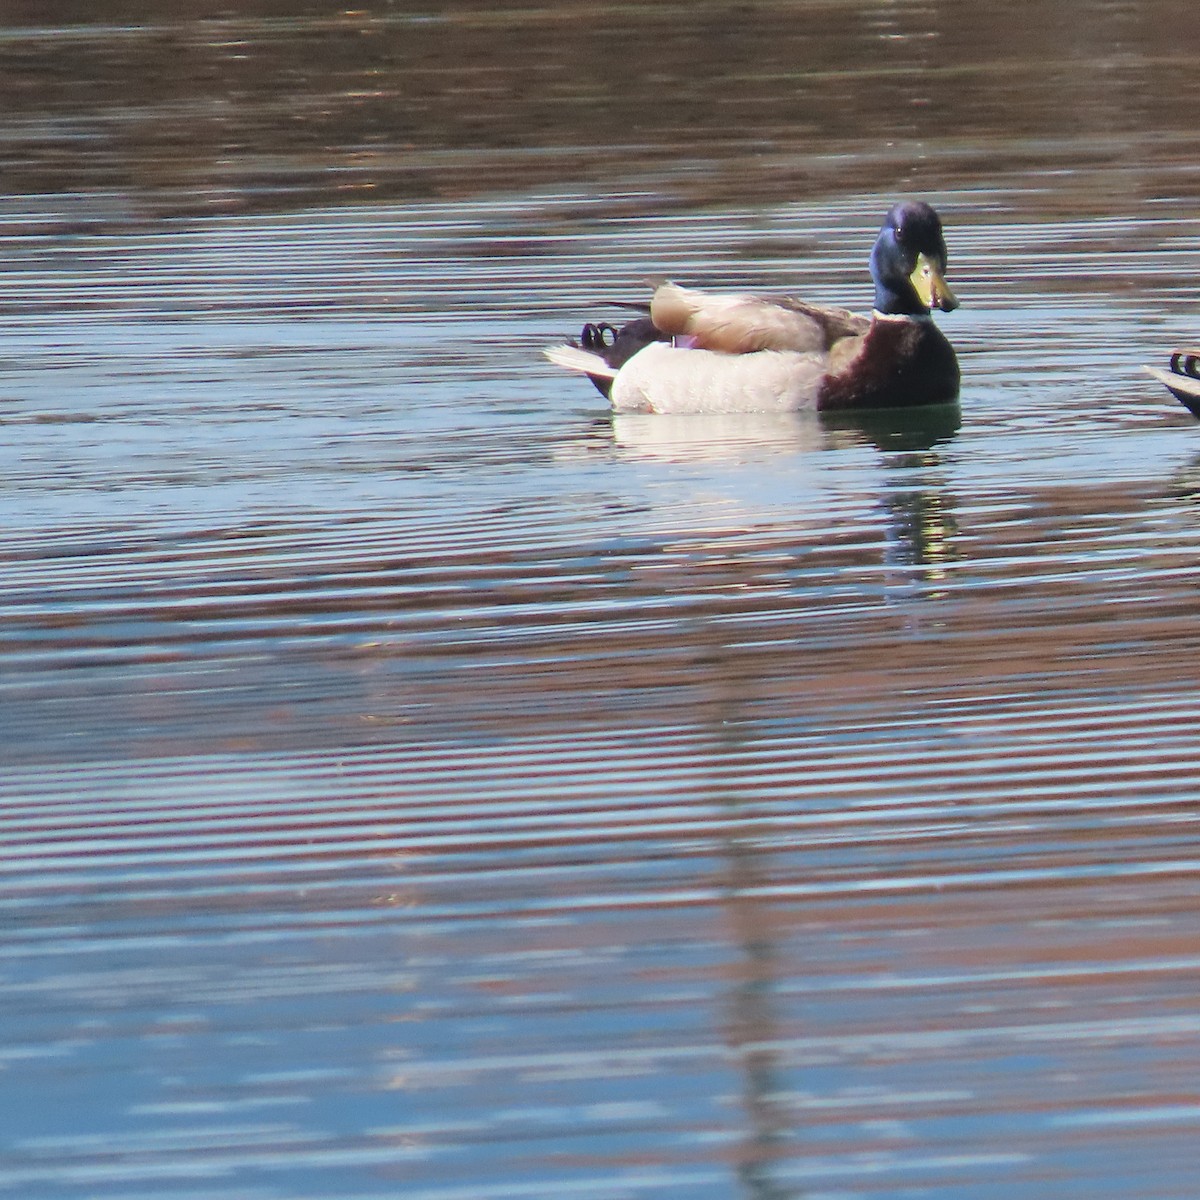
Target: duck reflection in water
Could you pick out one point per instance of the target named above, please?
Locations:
(904, 470)
(716, 437)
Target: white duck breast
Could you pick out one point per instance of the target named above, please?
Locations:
(668, 379)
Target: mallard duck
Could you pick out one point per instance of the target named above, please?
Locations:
(1183, 379)
(698, 352)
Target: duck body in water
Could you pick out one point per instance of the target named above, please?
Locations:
(703, 352)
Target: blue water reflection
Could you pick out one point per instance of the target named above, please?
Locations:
(419, 782)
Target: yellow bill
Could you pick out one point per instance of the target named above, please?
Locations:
(931, 286)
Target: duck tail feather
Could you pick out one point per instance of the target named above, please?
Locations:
(1184, 388)
(572, 358)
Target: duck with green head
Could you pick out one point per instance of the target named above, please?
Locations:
(703, 352)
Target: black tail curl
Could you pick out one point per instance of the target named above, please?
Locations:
(617, 345)
(1186, 362)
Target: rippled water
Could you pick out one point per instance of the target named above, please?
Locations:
(419, 783)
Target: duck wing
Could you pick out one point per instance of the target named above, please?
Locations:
(742, 324)
(837, 323)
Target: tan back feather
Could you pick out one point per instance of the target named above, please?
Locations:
(741, 324)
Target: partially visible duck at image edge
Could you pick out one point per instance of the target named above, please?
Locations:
(1183, 379)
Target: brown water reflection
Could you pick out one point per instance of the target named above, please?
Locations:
(142, 110)
(417, 782)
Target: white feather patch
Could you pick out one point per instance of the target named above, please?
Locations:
(668, 379)
(1183, 387)
(583, 361)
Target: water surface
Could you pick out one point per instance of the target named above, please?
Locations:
(417, 782)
